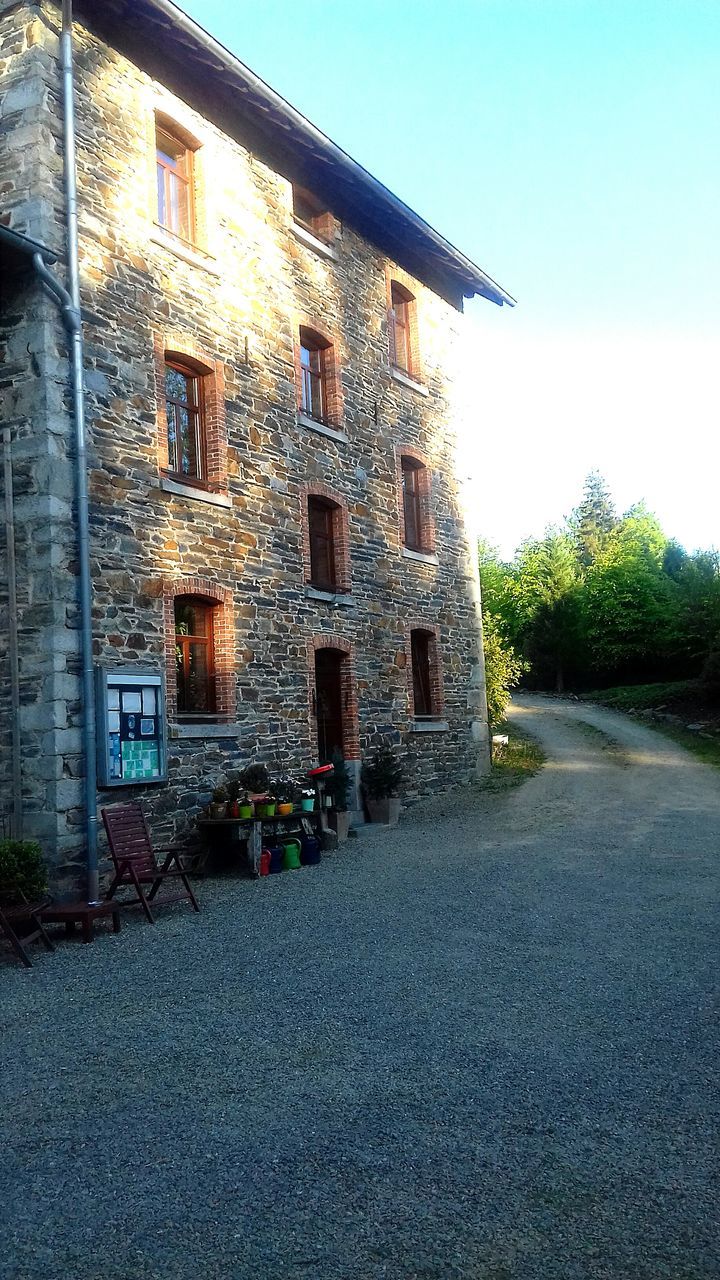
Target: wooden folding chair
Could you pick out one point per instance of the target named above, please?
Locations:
(134, 859)
(29, 911)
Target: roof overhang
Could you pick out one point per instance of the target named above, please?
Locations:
(158, 37)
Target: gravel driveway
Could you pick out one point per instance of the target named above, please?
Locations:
(480, 1047)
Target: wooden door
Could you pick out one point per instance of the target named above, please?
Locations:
(329, 701)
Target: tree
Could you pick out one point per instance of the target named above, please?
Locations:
(503, 668)
(593, 519)
(549, 602)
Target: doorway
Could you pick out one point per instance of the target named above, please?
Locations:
(329, 702)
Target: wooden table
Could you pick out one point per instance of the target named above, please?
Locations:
(83, 913)
(224, 833)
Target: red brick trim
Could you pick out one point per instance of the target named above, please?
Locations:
(341, 533)
(348, 680)
(223, 637)
(396, 275)
(183, 348)
(332, 356)
(437, 692)
(427, 507)
(324, 225)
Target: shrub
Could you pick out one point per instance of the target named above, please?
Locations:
(22, 869)
(341, 782)
(255, 778)
(382, 774)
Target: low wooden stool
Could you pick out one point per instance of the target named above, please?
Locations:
(82, 913)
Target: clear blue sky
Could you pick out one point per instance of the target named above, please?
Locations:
(570, 147)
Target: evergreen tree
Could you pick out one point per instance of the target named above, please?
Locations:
(593, 519)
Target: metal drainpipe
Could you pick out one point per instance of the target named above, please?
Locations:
(69, 303)
(16, 817)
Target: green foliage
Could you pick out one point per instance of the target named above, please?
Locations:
(382, 774)
(503, 669)
(604, 596)
(22, 870)
(255, 778)
(341, 782)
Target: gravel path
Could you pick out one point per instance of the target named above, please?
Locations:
(479, 1048)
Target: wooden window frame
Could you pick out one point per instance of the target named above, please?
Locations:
(197, 408)
(220, 601)
(182, 173)
(424, 672)
(318, 504)
(408, 458)
(413, 503)
(313, 388)
(184, 643)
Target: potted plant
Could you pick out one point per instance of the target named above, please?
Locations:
(307, 799)
(256, 780)
(340, 789)
(284, 791)
(265, 808)
(219, 804)
(382, 776)
(233, 790)
(23, 875)
(245, 805)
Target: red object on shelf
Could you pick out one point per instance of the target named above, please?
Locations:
(321, 769)
(265, 862)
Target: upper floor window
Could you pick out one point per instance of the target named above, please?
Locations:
(174, 184)
(314, 369)
(401, 326)
(321, 528)
(422, 655)
(194, 656)
(413, 505)
(185, 422)
(311, 214)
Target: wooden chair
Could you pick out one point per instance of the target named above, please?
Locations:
(24, 910)
(134, 859)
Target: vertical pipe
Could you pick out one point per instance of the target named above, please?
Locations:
(16, 817)
(83, 534)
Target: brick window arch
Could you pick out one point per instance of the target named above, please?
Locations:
(317, 375)
(336, 661)
(199, 650)
(415, 504)
(326, 539)
(424, 672)
(192, 430)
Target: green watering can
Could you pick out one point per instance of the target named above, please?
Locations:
(291, 855)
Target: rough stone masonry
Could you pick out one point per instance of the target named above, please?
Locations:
(232, 300)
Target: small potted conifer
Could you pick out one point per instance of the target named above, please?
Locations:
(382, 777)
(340, 787)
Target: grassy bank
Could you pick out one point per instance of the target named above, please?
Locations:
(685, 701)
(512, 764)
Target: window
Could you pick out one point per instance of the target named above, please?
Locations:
(194, 656)
(313, 369)
(312, 215)
(185, 422)
(422, 656)
(401, 325)
(321, 527)
(412, 486)
(174, 184)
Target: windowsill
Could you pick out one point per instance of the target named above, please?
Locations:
(194, 491)
(422, 557)
(313, 242)
(205, 729)
(188, 252)
(406, 381)
(337, 598)
(429, 726)
(331, 432)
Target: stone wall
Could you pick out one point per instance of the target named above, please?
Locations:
(241, 300)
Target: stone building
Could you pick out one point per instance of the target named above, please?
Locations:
(276, 522)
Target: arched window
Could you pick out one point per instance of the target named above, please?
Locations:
(185, 421)
(194, 656)
(401, 329)
(174, 183)
(314, 361)
(322, 522)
